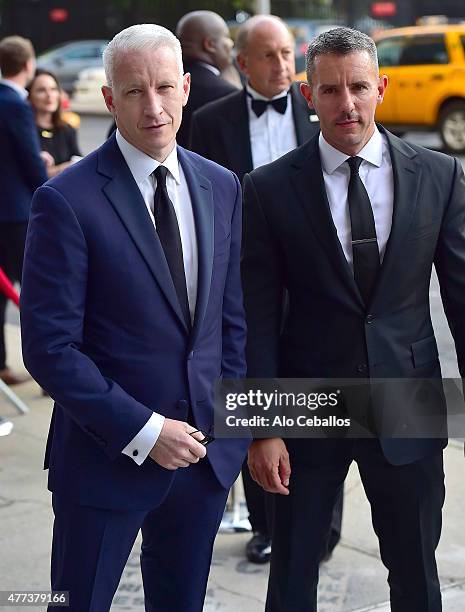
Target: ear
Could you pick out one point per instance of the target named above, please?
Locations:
(306, 91)
(186, 87)
(107, 93)
(209, 44)
(382, 85)
(241, 60)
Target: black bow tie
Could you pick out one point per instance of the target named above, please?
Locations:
(259, 106)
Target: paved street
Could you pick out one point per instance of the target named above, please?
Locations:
(353, 581)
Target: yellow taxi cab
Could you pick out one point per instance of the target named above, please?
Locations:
(426, 70)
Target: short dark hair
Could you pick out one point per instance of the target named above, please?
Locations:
(340, 41)
(15, 51)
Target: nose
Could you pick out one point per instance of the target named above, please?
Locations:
(280, 63)
(154, 105)
(347, 102)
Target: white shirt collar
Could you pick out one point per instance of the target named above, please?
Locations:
(257, 96)
(142, 165)
(19, 90)
(210, 67)
(332, 158)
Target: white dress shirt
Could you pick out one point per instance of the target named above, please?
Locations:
(272, 134)
(376, 174)
(142, 166)
(19, 90)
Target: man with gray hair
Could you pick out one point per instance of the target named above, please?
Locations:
(351, 224)
(131, 308)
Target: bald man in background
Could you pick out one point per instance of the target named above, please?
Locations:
(207, 50)
(268, 117)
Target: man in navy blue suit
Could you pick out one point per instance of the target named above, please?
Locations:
(131, 308)
(21, 168)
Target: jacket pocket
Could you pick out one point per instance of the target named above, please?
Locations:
(424, 351)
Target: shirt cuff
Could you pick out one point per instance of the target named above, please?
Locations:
(142, 443)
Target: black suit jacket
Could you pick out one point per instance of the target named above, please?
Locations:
(290, 242)
(220, 130)
(205, 87)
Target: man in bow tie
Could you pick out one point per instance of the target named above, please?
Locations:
(131, 308)
(269, 117)
(243, 131)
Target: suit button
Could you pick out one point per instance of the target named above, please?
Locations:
(361, 368)
(183, 404)
(135, 453)
(369, 319)
(191, 354)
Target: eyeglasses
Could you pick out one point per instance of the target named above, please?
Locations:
(206, 439)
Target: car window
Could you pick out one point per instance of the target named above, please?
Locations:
(87, 52)
(389, 51)
(462, 40)
(423, 50)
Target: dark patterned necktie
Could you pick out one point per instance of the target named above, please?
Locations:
(170, 238)
(364, 242)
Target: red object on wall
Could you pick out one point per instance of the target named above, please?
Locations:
(7, 288)
(58, 15)
(383, 9)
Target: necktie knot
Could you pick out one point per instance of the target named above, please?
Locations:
(160, 174)
(354, 164)
(260, 106)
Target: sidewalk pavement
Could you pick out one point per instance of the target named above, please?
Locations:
(354, 580)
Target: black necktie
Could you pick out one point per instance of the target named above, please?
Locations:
(259, 106)
(364, 243)
(170, 238)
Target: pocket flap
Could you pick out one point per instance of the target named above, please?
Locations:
(424, 351)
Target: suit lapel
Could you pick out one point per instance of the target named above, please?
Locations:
(308, 183)
(200, 191)
(237, 120)
(125, 197)
(407, 179)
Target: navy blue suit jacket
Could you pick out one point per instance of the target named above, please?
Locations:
(103, 331)
(21, 167)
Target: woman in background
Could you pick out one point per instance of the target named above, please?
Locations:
(56, 136)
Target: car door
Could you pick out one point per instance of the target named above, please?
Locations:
(420, 78)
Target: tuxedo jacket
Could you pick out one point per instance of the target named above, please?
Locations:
(21, 167)
(220, 131)
(290, 242)
(103, 331)
(205, 87)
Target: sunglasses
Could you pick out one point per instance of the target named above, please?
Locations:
(205, 440)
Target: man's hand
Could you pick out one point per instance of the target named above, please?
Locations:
(269, 465)
(175, 448)
(47, 159)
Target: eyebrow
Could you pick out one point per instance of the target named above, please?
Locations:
(360, 82)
